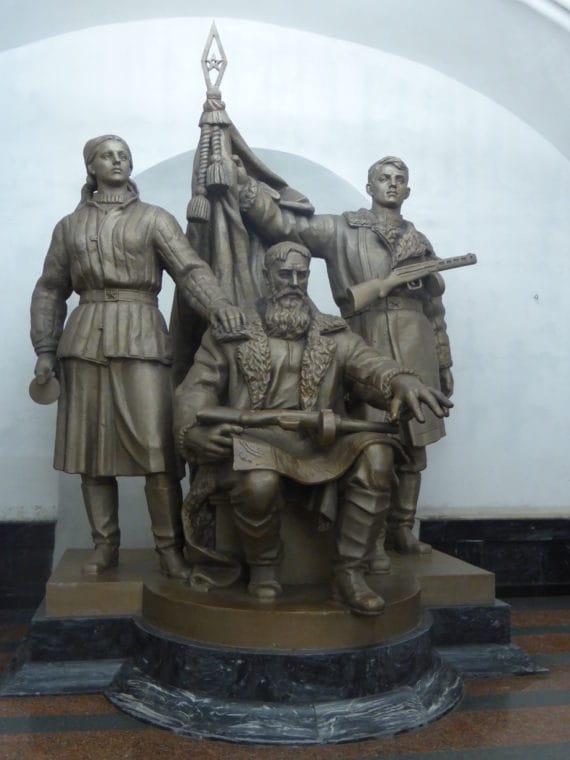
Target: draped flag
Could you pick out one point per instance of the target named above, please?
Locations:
(215, 225)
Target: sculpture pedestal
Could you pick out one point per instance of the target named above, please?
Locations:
(294, 697)
(444, 581)
(302, 670)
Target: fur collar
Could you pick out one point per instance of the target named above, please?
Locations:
(254, 358)
(404, 242)
(361, 218)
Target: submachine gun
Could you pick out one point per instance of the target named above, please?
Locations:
(365, 293)
(324, 424)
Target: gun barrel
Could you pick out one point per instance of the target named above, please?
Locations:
(248, 418)
(367, 426)
(324, 423)
(364, 294)
(454, 262)
(218, 415)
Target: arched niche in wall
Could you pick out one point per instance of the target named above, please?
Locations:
(167, 184)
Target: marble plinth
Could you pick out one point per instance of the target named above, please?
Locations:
(465, 624)
(302, 670)
(310, 697)
(490, 660)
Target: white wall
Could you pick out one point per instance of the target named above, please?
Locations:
(482, 180)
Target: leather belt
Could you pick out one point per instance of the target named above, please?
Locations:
(110, 295)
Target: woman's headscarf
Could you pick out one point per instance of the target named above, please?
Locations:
(89, 153)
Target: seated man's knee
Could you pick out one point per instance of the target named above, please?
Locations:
(262, 487)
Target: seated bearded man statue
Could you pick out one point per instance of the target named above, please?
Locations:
(291, 357)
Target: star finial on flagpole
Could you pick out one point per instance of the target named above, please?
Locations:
(213, 59)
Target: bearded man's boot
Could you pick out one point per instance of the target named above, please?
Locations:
(402, 515)
(164, 501)
(359, 523)
(379, 563)
(256, 500)
(261, 542)
(101, 499)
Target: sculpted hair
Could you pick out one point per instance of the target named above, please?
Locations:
(393, 160)
(280, 251)
(89, 152)
(91, 147)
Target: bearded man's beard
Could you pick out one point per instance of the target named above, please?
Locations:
(289, 322)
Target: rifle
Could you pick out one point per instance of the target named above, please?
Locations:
(325, 423)
(365, 293)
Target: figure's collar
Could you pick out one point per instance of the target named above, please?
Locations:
(106, 200)
(253, 357)
(364, 217)
(110, 197)
(388, 219)
(361, 218)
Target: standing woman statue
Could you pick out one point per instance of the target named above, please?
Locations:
(113, 356)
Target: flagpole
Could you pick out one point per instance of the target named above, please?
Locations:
(210, 171)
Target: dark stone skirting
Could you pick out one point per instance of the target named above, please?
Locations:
(528, 557)
(25, 562)
(469, 624)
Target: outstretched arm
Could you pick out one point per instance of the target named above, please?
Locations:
(383, 383)
(261, 207)
(193, 276)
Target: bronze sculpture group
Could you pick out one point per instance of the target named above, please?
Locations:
(245, 414)
(277, 404)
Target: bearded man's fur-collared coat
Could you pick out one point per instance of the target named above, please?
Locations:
(256, 371)
(313, 372)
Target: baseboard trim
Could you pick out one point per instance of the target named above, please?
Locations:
(25, 562)
(529, 557)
